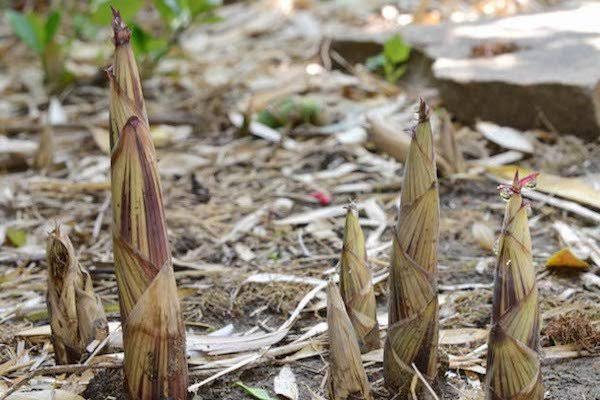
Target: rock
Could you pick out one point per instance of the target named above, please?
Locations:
(525, 71)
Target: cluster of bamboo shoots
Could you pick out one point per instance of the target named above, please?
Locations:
(410, 349)
(153, 331)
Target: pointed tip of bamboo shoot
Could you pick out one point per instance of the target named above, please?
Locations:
(122, 32)
(423, 111)
(516, 178)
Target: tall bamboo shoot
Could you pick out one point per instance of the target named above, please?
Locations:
(153, 332)
(413, 306)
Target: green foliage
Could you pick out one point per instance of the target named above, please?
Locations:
(177, 16)
(100, 13)
(257, 393)
(393, 60)
(16, 237)
(396, 50)
(291, 111)
(147, 45)
(37, 33)
(180, 13)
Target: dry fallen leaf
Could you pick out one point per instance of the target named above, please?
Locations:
(179, 164)
(565, 259)
(462, 335)
(285, 384)
(102, 138)
(483, 235)
(506, 137)
(45, 395)
(165, 135)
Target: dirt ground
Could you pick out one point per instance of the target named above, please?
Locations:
(236, 209)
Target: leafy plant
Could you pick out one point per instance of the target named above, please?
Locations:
(177, 16)
(292, 111)
(39, 34)
(393, 60)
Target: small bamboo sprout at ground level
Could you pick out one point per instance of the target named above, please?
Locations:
(44, 155)
(448, 147)
(153, 332)
(513, 364)
(413, 306)
(76, 314)
(356, 284)
(347, 377)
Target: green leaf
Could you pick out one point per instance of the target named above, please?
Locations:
(209, 18)
(51, 26)
(375, 62)
(25, 28)
(84, 27)
(257, 393)
(102, 15)
(174, 12)
(198, 7)
(146, 44)
(169, 9)
(16, 237)
(267, 118)
(139, 38)
(396, 50)
(397, 73)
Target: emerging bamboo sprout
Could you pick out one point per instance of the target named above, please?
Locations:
(448, 146)
(44, 155)
(513, 364)
(153, 331)
(76, 314)
(347, 377)
(413, 306)
(356, 284)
